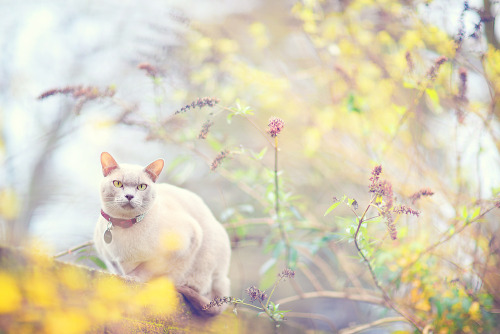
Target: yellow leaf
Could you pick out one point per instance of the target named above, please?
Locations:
(423, 305)
(259, 32)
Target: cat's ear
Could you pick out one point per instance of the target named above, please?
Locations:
(108, 163)
(154, 169)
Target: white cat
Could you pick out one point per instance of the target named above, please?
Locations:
(147, 230)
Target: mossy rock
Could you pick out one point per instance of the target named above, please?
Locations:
(40, 289)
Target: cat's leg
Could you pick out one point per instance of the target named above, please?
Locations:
(112, 265)
(220, 289)
(220, 286)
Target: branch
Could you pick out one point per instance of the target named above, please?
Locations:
(313, 316)
(366, 298)
(74, 249)
(489, 24)
(360, 328)
(447, 237)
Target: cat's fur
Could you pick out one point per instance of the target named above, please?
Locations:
(178, 237)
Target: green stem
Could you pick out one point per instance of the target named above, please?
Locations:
(284, 235)
(247, 304)
(272, 291)
(266, 309)
(374, 277)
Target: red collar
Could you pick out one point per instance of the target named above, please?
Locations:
(124, 223)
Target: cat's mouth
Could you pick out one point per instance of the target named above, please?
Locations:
(128, 206)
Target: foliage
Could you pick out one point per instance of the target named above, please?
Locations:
(267, 306)
(40, 295)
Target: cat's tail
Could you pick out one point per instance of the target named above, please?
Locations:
(198, 302)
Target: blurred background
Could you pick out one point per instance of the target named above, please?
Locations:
(409, 85)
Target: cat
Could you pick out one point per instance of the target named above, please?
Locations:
(148, 229)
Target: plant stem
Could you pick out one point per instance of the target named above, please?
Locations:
(443, 239)
(272, 291)
(247, 304)
(284, 235)
(266, 309)
(374, 277)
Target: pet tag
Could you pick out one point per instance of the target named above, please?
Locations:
(107, 234)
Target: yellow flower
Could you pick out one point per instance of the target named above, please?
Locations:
(412, 40)
(226, 45)
(10, 297)
(101, 312)
(41, 289)
(111, 290)
(160, 295)
(72, 278)
(475, 311)
(69, 322)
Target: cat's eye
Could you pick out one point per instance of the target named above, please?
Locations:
(142, 186)
(117, 183)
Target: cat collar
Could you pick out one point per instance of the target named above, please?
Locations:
(124, 223)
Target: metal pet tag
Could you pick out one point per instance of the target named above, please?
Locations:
(108, 236)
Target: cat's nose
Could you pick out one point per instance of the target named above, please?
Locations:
(129, 197)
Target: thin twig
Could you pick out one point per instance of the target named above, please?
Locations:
(441, 241)
(74, 249)
(366, 298)
(313, 316)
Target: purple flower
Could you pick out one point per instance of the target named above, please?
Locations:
(276, 124)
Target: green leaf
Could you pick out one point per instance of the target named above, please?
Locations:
(260, 155)
(331, 208)
(294, 255)
(475, 213)
(465, 214)
(97, 261)
(268, 273)
(352, 105)
(278, 249)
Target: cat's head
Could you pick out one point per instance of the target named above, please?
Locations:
(128, 190)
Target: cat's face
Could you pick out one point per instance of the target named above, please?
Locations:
(128, 190)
